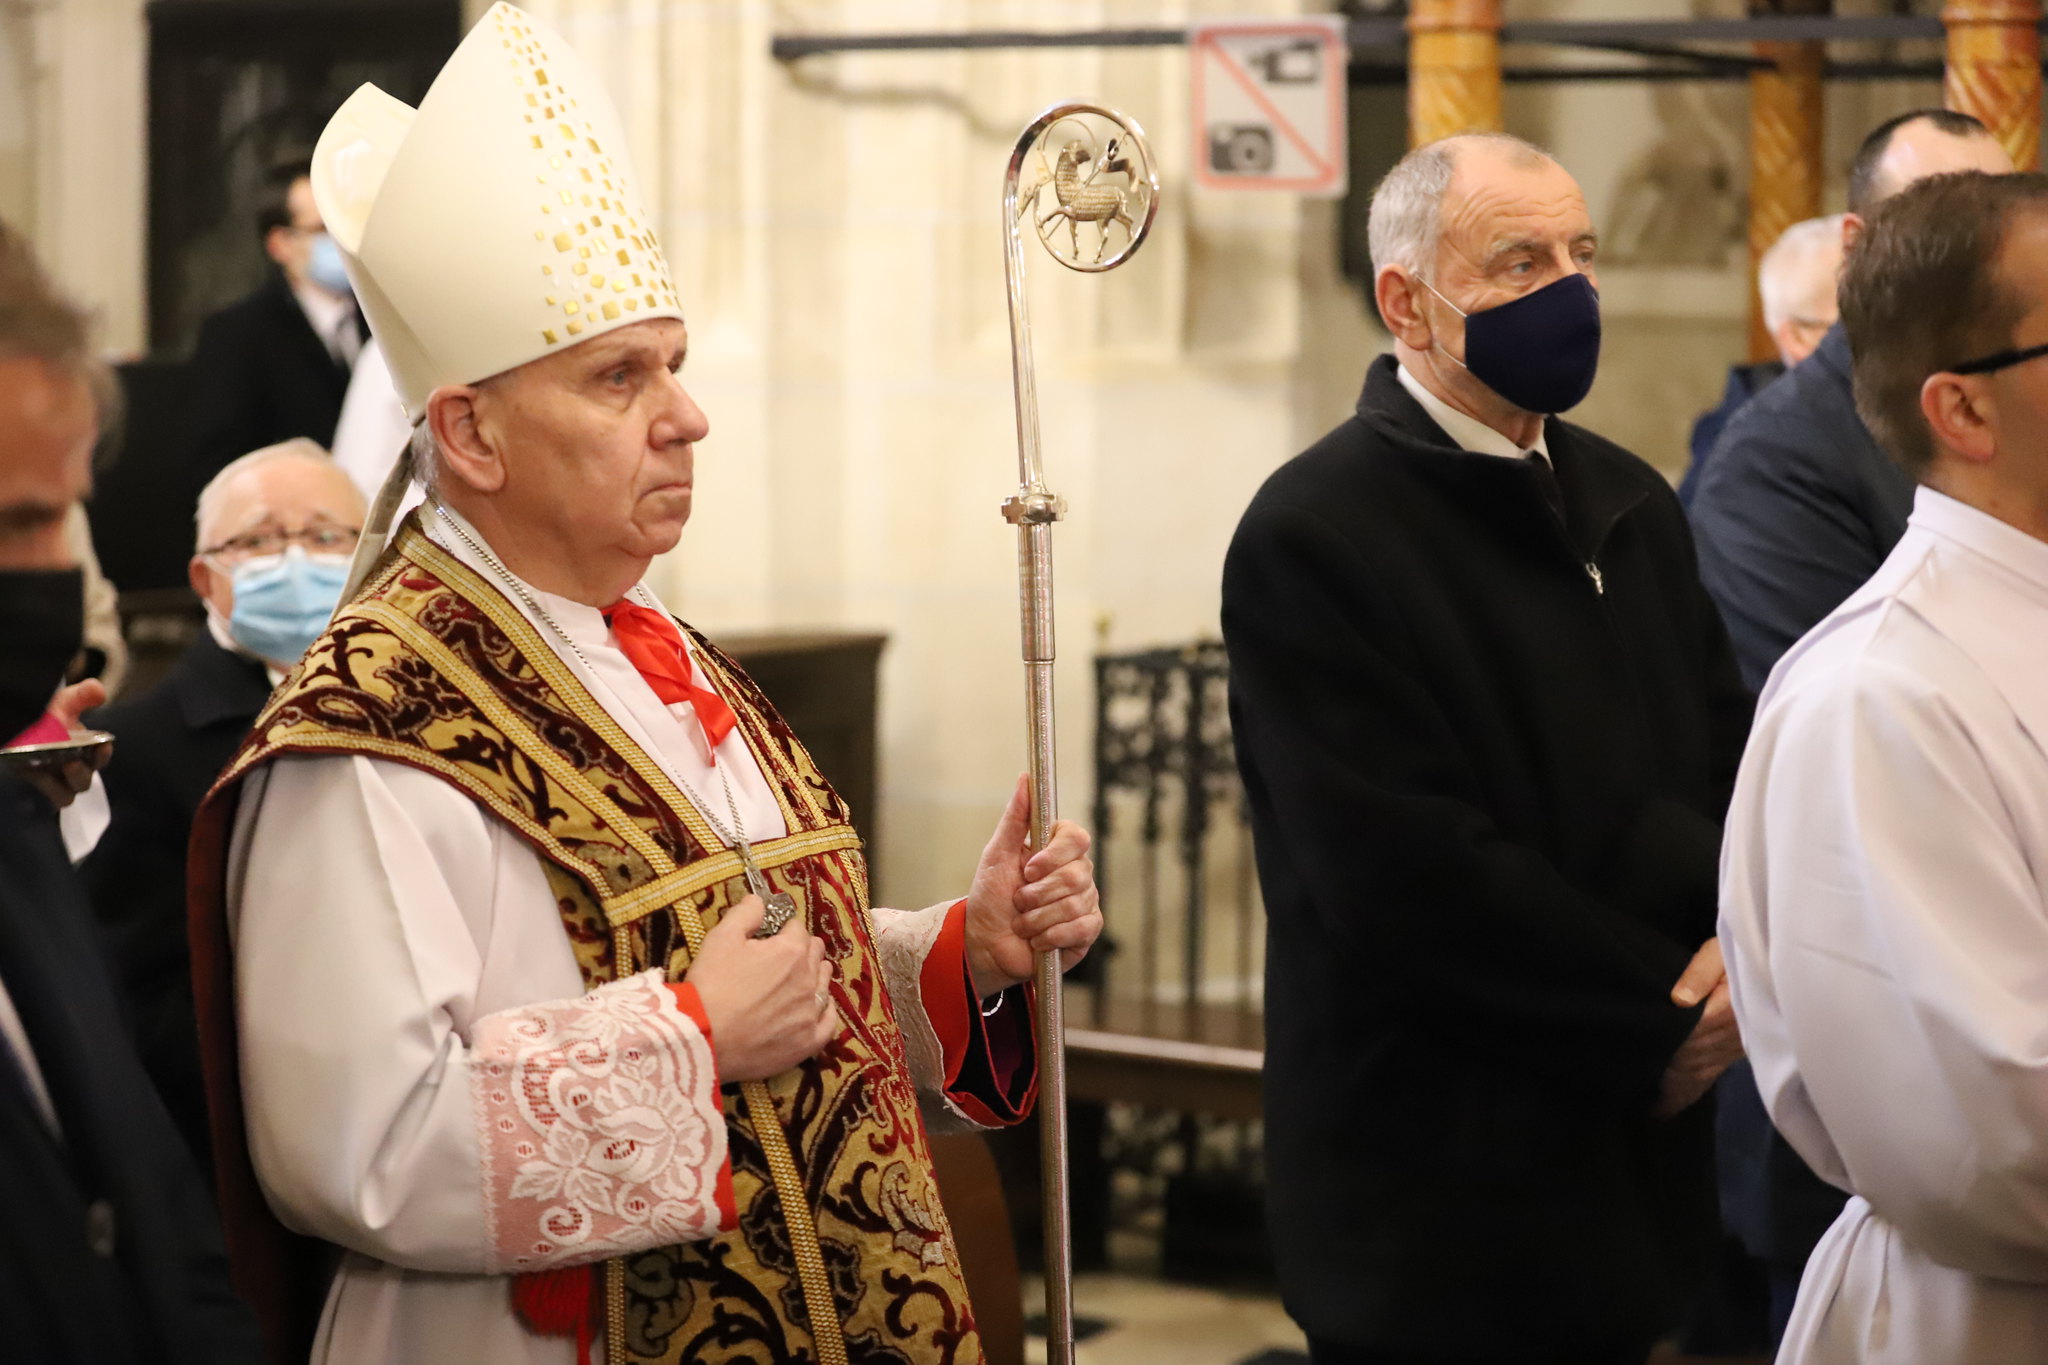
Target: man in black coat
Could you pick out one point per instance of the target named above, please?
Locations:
(276, 363)
(1487, 722)
(109, 1250)
(1797, 509)
(173, 740)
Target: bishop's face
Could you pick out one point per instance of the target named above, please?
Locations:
(602, 441)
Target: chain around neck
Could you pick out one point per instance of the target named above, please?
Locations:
(736, 837)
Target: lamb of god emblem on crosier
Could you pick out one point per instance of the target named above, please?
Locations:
(1108, 189)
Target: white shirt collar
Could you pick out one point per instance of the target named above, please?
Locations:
(1468, 432)
(326, 313)
(2006, 546)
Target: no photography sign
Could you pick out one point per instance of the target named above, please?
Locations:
(1269, 105)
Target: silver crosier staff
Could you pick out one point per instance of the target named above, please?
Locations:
(1097, 170)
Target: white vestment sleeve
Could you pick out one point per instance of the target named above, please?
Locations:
(903, 941)
(1900, 1027)
(424, 1079)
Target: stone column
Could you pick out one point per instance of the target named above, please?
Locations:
(1453, 68)
(1994, 70)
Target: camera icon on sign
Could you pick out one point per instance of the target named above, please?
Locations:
(1240, 148)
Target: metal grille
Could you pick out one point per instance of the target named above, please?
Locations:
(1174, 855)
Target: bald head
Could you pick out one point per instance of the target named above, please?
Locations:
(1916, 145)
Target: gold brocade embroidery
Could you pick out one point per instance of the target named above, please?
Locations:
(842, 1254)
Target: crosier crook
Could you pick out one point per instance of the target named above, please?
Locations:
(1091, 198)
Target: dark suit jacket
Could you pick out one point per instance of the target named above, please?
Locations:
(1487, 754)
(109, 1250)
(171, 742)
(1796, 509)
(259, 375)
(1744, 383)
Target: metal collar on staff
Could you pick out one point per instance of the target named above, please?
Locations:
(1083, 179)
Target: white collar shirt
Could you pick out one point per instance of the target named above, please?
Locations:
(332, 320)
(671, 735)
(1468, 432)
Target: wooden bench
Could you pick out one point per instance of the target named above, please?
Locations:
(1207, 1059)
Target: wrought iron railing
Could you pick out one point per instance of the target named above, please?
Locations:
(1177, 1000)
(1174, 854)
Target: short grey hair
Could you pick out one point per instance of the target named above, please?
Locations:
(425, 449)
(1789, 279)
(206, 518)
(1406, 221)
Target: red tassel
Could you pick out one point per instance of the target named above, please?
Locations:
(560, 1303)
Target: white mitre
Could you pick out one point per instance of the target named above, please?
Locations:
(499, 221)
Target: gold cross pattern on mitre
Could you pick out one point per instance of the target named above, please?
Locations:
(498, 222)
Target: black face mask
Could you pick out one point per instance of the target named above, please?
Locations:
(42, 624)
(1538, 351)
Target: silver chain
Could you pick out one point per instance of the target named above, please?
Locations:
(737, 836)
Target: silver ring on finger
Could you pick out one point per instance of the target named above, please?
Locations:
(823, 997)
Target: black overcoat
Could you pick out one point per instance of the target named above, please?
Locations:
(259, 374)
(171, 742)
(110, 1252)
(1487, 755)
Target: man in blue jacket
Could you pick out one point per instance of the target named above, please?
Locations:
(1798, 505)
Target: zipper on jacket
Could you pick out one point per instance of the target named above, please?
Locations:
(1599, 579)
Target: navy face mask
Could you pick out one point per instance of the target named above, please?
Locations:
(1539, 351)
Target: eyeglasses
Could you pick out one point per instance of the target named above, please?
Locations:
(2002, 360)
(325, 538)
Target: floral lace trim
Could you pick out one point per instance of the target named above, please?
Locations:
(600, 1127)
(903, 941)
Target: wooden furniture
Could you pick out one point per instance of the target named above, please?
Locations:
(1205, 1060)
(972, 1192)
(824, 683)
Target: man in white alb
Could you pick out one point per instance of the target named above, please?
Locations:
(1884, 901)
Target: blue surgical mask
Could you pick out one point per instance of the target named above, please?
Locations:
(1539, 351)
(325, 268)
(282, 603)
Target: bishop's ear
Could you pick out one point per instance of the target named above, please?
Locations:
(465, 449)
(1961, 415)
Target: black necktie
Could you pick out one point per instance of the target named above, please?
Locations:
(1546, 480)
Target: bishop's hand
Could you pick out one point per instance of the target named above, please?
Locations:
(769, 1000)
(1024, 902)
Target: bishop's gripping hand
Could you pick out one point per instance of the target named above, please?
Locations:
(769, 1000)
(1024, 902)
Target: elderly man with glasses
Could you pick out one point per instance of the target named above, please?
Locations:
(275, 529)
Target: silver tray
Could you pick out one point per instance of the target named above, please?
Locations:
(83, 747)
